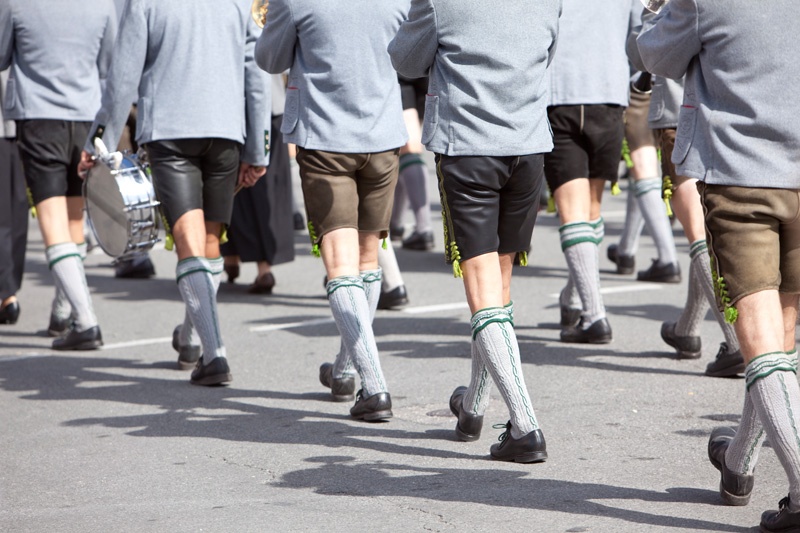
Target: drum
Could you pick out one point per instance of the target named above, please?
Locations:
(122, 207)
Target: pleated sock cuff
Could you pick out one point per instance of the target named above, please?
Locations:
(191, 264)
(769, 363)
(646, 185)
(697, 247)
(487, 316)
(59, 252)
(576, 233)
(343, 281)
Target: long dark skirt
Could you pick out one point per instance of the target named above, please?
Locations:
(262, 227)
(13, 219)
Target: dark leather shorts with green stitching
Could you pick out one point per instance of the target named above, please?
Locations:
(489, 203)
(348, 190)
(753, 239)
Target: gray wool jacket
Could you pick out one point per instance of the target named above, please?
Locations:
(59, 53)
(342, 95)
(591, 66)
(487, 92)
(8, 130)
(190, 68)
(739, 121)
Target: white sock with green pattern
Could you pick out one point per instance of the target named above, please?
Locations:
(496, 343)
(772, 385)
(196, 285)
(579, 244)
(67, 267)
(654, 211)
(351, 312)
(188, 335)
(343, 364)
(704, 264)
(60, 307)
(688, 324)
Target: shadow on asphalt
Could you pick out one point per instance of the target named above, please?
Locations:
(342, 475)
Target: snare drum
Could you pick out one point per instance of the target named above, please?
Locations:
(122, 207)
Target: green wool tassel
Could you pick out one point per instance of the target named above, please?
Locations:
(667, 194)
(523, 259)
(626, 153)
(551, 204)
(615, 189)
(457, 270)
(313, 236)
(731, 314)
(384, 245)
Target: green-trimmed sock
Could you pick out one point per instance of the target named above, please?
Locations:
(187, 335)
(67, 267)
(634, 224)
(654, 211)
(372, 279)
(688, 324)
(700, 249)
(196, 285)
(579, 243)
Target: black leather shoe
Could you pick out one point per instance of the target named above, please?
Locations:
(59, 327)
(187, 355)
(569, 316)
(396, 234)
(599, 332)
(232, 271)
(298, 221)
(263, 284)
(529, 448)
(734, 488)
(625, 263)
(686, 347)
(468, 427)
(726, 364)
(393, 299)
(89, 339)
(419, 241)
(10, 313)
(782, 520)
(373, 409)
(137, 267)
(342, 389)
(216, 372)
(669, 273)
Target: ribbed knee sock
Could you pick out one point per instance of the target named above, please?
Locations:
(569, 297)
(651, 205)
(188, 336)
(634, 224)
(343, 364)
(414, 175)
(773, 389)
(60, 307)
(196, 285)
(579, 244)
(476, 398)
(67, 268)
(704, 263)
(496, 343)
(688, 324)
(351, 312)
(392, 277)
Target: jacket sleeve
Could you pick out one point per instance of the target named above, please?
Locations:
(107, 44)
(6, 35)
(275, 47)
(258, 106)
(669, 42)
(122, 82)
(414, 47)
(632, 48)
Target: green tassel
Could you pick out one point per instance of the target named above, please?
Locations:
(224, 237)
(315, 250)
(626, 153)
(615, 189)
(457, 270)
(731, 314)
(169, 242)
(666, 193)
(384, 245)
(314, 244)
(551, 204)
(34, 213)
(523, 259)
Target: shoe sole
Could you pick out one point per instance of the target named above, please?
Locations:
(84, 346)
(466, 437)
(527, 457)
(671, 279)
(625, 271)
(343, 397)
(218, 379)
(186, 365)
(601, 340)
(682, 354)
(727, 372)
(377, 416)
(730, 499)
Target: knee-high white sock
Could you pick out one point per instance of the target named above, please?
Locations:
(188, 336)
(496, 343)
(343, 364)
(350, 310)
(634, 224)
(703, 262)
(688, 324)
(67, 268)
(60, 307)
(414, 174)
(772, 385)
(569, 297)
(476, 398)
(579, 245)
(392, 278)
(196, 285)
(651, 205)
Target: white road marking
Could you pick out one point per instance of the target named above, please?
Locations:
(435, 308)
(141, 342)
(290, 325)
(638, 287)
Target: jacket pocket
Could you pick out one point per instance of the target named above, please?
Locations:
(431, 117)
(10, 100)
(291, 112)
(685, 134)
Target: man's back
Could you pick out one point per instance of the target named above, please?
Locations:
(342, 94)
